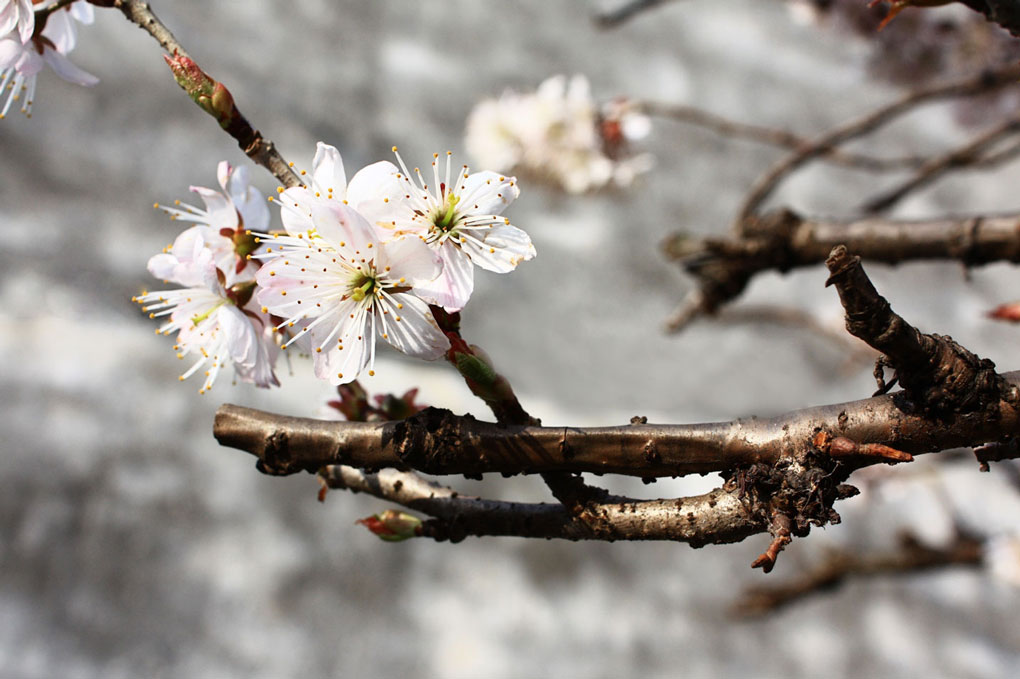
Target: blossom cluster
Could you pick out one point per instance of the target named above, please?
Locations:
(356, 260)
(25, 49)
(559, 133)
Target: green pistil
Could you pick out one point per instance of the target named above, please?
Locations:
(359, 293)
(195, 320)
(448, 218)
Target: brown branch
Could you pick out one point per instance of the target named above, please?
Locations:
(714, 518)
(783, 240)
(262, 151)
(912, 557)
(967, 155)
(938, 375)
(438, 442)
(494, 389)
(985, 81)
(693, 115)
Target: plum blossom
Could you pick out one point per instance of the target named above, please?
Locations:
(211, 314)
(459, 217)
(368, 192)
(337, 286)
(561, 134)
(229, 217)
(21, 58)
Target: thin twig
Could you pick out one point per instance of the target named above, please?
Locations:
(911, 558)
(626, 11)
(693, 115)
(262, 151)
(965, 156)
(767, 184)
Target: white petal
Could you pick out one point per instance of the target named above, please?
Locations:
(376, 193)
(341, 366)
(338, 223)
(501, 248)
(416, 333)
(61, 31)
(83, 12)
(410, 258)
(222, 214)
(328, 170)
(68, 71)
(452, 289)
(486, 193)
(223, 172)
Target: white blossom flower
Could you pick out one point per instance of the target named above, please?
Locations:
(210, 314)
(559, 133)
(228, 219)
(460, 218)
(17, 15)
(368, 192)
(340, 285)
(21, 61)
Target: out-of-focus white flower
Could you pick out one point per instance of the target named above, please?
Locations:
(459, 217)
(561, 134)
(211, 314)
(22, 60)
(228, 218)
(1002, 558)
(340, 285)
(17, 16)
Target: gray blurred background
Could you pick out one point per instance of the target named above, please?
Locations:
(132, 545)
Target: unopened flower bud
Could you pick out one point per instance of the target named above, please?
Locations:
(392, 525)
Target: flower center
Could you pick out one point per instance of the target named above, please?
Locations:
(195, 320)
(362, 287)
(444, 219)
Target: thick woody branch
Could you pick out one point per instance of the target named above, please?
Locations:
(255, 146)
(783, 240)
(714, 518)
(438, 442)
(938, 375)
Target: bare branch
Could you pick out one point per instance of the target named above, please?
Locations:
(626, 11)
(967, 155)
(783, 240)
(911, 558)
(437, 442)
(262, 151)
(985, 81)
(716, 517)
(693, 115)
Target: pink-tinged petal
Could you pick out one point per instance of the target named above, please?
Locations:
(416, 333)
(328, 170)
(338, 223)
(10, 52)
(68, 71)
(499, 249)
(486, 193)
(162, 266)
(222, 213)
(26, 20)
(254, 210)
(223, 172)
(452, 289)
(9, 19)
(410, 258)
(239, 336)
